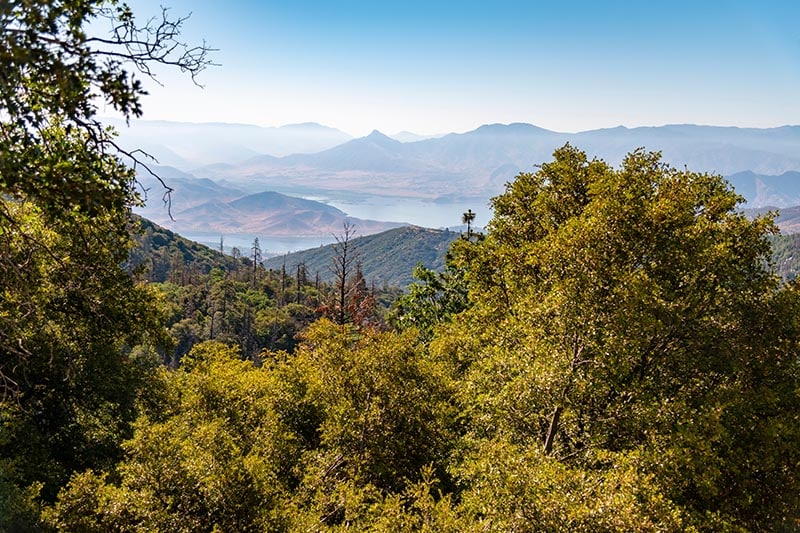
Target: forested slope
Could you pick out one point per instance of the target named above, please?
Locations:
(387, 258)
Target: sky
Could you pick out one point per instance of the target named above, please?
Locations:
(435, 67)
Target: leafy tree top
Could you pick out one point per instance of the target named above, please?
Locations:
(55, 75)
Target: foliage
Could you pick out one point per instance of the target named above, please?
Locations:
(624, 362)
(160, 255)
(614, 355)
(301, 440)
(786, 255)
(70, 316)
(54, 149)
(211, 296)
(69, 319)
(216, 455)
(434, 299)
(628, 313)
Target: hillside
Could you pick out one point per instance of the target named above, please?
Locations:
(201, 205)
(386, 258)
(161, 253)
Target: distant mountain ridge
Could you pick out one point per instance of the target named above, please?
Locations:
(762, 190)
(457, 168)
(479, 162)
(221, 210)
(190, 145)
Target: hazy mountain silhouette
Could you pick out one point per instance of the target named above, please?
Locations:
(762, 190)
(267, 214)
(479, 162)
(190, 145)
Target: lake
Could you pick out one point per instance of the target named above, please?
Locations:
(419, 212)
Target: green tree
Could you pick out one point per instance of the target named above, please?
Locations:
(70, 315)
(626, 321)
(213, 456)
(434, 299)
(55, 75)
(329, 436)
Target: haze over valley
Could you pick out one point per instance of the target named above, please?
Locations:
(299, 200)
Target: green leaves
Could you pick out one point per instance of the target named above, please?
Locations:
(615, 309)
(54, 149)
(69, 319)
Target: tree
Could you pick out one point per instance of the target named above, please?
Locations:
(343, 261)
(298, 443)
(624, 321)
(214, 456)
(71, 317)
(375, 412)
(54, 152)
(255, 256)
(435, 298)
(55, 73)
(467, 218)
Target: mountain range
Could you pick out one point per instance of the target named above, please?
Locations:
(457, 168)
(762, 190)
(204, 206)
(189, 145)
(478, 163)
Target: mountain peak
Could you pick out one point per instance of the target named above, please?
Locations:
(377, 135)
(514, 128)
(380, 139)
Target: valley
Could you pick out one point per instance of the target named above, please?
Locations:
(293, 187)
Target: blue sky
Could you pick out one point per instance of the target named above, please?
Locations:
(432, 67)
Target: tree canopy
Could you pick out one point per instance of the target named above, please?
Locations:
(76, 331)
(625, 323)
(55, 75)
(615, 354)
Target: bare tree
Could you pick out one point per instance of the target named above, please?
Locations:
(344, 260)
(256, 257)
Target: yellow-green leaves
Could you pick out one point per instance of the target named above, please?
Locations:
(613, 309)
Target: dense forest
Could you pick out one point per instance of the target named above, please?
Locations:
(207, 295)
(615, 353)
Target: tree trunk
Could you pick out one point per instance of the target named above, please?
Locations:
(551, 433)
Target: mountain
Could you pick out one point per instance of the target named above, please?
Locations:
(189, 145)
(156, 247)
(409, 137)
(269, 214)
(479, 162)
(761, 190)
(386, 258)
(188, 191)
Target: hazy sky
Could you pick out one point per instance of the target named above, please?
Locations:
(432, 67)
